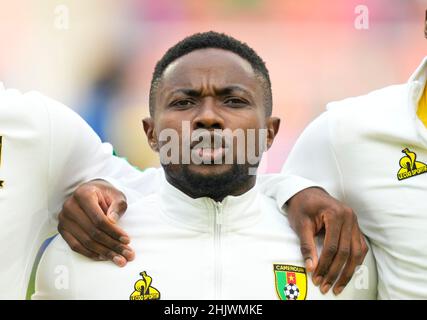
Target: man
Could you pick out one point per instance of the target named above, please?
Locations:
(371, 152)
(207, 233)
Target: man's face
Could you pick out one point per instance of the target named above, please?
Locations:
(209, 89)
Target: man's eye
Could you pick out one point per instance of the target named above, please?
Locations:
(235, 102)
(182, 103)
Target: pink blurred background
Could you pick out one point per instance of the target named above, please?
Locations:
(101, 64)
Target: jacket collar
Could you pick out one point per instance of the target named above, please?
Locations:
(419, 73)
(203, 214)
(416, 84)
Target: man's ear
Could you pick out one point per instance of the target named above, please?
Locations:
(148, 124)
(273, 125)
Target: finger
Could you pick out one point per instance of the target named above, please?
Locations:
(341, 257)
(76, 246)
(306, 233)
(359, 250)
(74, 213)
(93, 246)
(92, 209)
(364, 247)
(102, 201)
(117, 207)
(330, 247)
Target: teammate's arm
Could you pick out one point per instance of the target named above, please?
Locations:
(311, 209)
(76, 156)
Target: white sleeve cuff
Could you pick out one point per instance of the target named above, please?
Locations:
(290, 186)
(130, 194)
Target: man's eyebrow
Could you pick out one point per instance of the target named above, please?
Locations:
(220, 91)
(230, 89)
(188, 92)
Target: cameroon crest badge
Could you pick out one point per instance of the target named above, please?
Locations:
(291, 282)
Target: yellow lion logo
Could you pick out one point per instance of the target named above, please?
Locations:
(144, 290)
(409, 166)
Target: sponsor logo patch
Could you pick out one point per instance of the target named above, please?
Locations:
(409, 166)
(143, 289)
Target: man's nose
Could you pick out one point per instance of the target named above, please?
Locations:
(208, 116)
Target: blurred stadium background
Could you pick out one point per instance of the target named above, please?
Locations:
(101, 65)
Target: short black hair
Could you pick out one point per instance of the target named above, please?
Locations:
(207, 40)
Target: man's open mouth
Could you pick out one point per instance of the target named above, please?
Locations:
(210, 155)
(209, 147)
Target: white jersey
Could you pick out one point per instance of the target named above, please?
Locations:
(46, 150)
(371, 153)
(240, 248)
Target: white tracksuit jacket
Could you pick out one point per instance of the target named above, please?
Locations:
(196, 249)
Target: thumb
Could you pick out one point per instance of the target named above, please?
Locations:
(117, 208)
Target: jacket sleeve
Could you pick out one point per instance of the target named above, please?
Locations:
(282, 187)
(313, 158)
